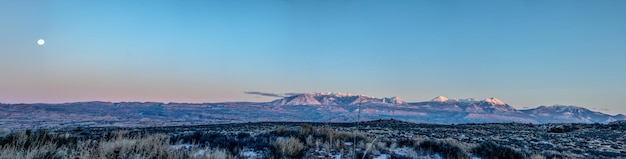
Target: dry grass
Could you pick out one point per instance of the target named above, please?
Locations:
(309, 141)
(152, 146)
(291, 147)
(328, 133)
(280, 142)
(45, 145)
(27, 145)
(456, 143)
(332, 135)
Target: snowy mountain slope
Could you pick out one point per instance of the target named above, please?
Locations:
(333, 99)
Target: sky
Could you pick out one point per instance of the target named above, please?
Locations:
(526, 53)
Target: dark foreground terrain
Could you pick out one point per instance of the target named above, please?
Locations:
(373, 139)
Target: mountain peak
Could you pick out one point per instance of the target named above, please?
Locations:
(393, 100)
(439, 99)
(494, 101)
(337, 94)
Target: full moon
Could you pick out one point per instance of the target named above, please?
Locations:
(40, 42)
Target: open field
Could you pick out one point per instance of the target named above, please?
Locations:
(374, 139)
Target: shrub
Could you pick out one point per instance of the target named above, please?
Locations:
(284, 131)
(306, 130)
(492, 150)
(242, 135)
(327, 133)
(281, 129)
(361, 154)
(217, 154)
(405, 142)
(4, 132)
(345, 136)
(258, 142)
(309, 141)
(188, 138)
(290, 147)
(562, 129)
(445, 149)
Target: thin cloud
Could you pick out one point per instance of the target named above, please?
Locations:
(265, 94)
(292, 94)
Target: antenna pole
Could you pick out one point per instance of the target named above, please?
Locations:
(357, 127)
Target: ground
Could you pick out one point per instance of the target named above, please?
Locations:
(372, 139)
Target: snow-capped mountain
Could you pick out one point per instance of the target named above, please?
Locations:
(493, 104)
(468, 104)
(494, 101)
(440, 99)
(447, 110)
(393, 100)
(333, 99)
(302, 99)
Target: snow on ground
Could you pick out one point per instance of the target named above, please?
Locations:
(434, 156)
(406, 151)
(199, 153)
(252, 154)
(181, 146)
(383, 156)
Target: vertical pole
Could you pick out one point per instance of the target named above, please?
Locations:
(356, 128)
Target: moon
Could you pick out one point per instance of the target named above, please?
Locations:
(40, 42)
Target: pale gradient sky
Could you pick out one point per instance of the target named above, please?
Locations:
(526, 53)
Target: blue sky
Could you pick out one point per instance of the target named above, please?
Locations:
(526, 53)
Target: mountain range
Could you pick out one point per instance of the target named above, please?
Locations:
(443, 110)
(314, 107)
